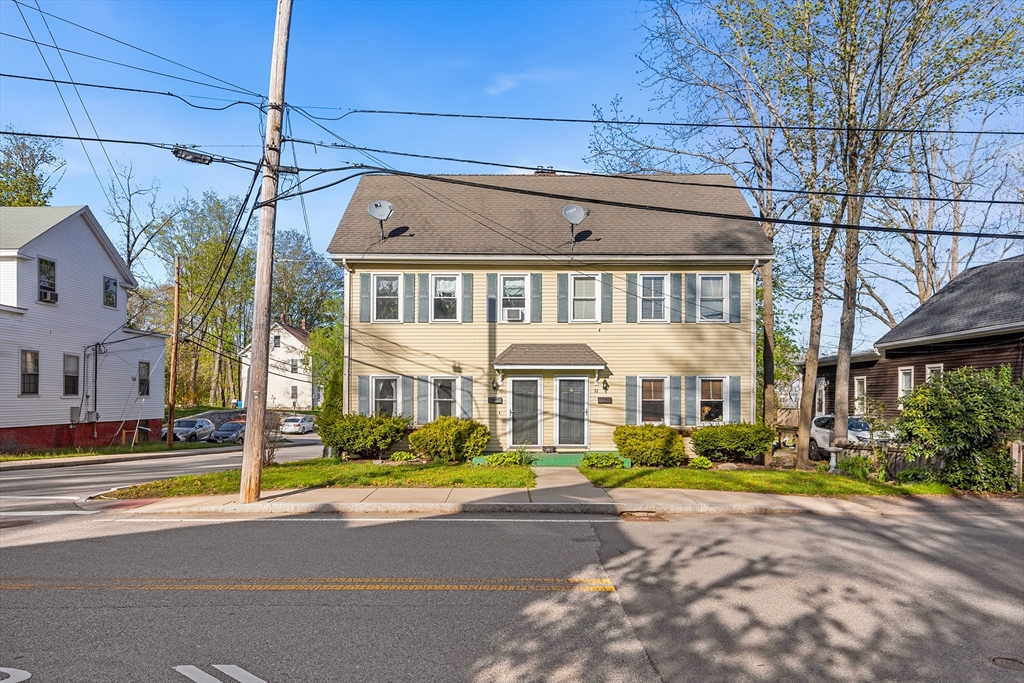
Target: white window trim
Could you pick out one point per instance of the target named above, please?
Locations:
(726, 417)
(528, 289)
(149, 377)
(35, 291)
(117, 292)
(931, 369)
(900, 393)
(540, 411)
(664, 379)
(819, 397)
(39, 373)
(458, 298)
(456, 397)
(725, 299)
(586, 412)
(666, 297)
(63, 374)
(597, 298)
(373, 298)
(860, 403)
(398, 393)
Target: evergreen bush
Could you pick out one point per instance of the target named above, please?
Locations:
(450, 439)
(700, 463)
(364, 436)
(733, 441)
(650, 445)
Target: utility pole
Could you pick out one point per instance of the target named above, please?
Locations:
(172, 389)
(256, 403)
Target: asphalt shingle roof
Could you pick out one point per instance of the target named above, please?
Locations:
(19, 225)
(979, 298)
(433, 216)
(552, 355)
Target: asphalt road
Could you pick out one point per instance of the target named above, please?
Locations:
(911, 597)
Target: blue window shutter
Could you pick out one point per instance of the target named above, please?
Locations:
(409, 314)
(734, 297)
(630, 297)
(734, 399)
(631, 400)
(675, 400)
(563, 297)
(467, 397)
(422, 397)
(536, 297)
(492, 297)
(691, 297)
(407, 397)
(467, 297)
(364, 297)
(690, 400)
(424, 297)
(364, 395)
(676, 301)
(606, 297)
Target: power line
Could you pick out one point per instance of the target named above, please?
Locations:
(144, 51)
(677, 124)
(302, 198)
(136, 90)
(157, 145)
(122, 64)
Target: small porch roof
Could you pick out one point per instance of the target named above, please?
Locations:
(549, 357)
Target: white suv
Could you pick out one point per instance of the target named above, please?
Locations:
(822, 432)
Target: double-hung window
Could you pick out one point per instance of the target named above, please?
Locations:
(444, 293)
(652, 400)
(906, 382)
(30, 373)
(819, 397)
(70, 374)
(295, 364)
(513, 299)
(277, 341)
(385, 396)
(932, 370)
(386, 298)
(712, 400)
(47, 280)
(444, 397)
(584, 298)
(712, 298)
(860, 395)
(652, 297)
(295, 392)
(110, 292)
(143, 378)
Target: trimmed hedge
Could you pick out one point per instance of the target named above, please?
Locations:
(450, 439)
(732, 441)
(602, 461)
(364, 436)
(650, 445)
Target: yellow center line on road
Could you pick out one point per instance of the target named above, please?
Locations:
(568, 584)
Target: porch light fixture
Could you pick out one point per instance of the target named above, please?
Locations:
(604, 384)
(193, 156)
(495, 385)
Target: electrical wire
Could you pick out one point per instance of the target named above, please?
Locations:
(217, 158)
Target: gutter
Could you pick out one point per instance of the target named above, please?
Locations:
(953, 336)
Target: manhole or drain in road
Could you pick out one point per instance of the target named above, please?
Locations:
(8, 523)
(1007, 663)
(642, 516)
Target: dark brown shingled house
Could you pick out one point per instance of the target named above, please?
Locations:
(477, 298)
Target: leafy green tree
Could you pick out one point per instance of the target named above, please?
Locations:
(326, 354)
(334, 401)
(27, 166)
(306, 286)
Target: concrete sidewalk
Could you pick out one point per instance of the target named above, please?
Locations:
(559, 489)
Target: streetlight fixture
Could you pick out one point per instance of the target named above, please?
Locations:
(192, 156)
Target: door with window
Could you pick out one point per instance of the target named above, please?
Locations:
(572, 412)
(524, 410)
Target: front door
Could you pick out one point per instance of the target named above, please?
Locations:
(572, 412)
(525, 402)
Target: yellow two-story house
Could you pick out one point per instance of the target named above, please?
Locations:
(486, 297)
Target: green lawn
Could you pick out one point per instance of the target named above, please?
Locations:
(144, 447)
(324, 472)
(754, 481)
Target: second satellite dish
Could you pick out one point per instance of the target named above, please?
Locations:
(381, 210)
(574, 214)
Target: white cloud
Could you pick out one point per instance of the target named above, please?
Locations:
(505, 82)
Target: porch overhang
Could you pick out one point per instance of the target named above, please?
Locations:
(548, 357)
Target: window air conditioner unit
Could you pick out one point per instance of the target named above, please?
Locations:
(514, 315)
(47, 295)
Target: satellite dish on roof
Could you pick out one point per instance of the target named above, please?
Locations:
(574, 214)
(381, 210)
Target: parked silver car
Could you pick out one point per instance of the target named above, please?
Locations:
(297, 424)
(190, 430)
(823, 431)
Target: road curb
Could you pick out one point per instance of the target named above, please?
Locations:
(108, 459)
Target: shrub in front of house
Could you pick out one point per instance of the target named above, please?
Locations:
(364, 436)
(450, 439)
(650, 445)
(700, 463)
(602, 461)
(520, 457)
(963, 418)
(401, 456)
(732, 441)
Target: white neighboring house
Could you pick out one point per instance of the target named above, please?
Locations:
(290, 382)
(71, 372)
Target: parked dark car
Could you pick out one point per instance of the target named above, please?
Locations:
(229, 432)
(190, 430)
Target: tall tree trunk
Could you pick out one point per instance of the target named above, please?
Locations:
(847, 326)
(768, 414)
(215, 380)
(803, 437)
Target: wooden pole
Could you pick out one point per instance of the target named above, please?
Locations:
(256, 403)
(173, 385)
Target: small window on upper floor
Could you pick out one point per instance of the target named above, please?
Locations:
(277, 341)
(584, 298)
(444, 292)
(652, 297)
(386, 298)
(712, 298)
(295, 364)
(110, 292)
(514, 299)
(143, 378)
(47, 281)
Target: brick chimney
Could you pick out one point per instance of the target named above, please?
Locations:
(303, 323)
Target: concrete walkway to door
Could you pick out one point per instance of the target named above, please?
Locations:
(565, 485)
